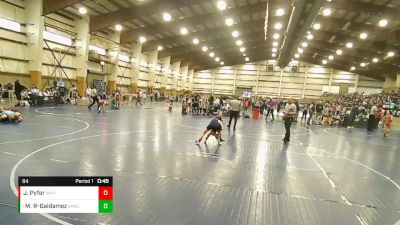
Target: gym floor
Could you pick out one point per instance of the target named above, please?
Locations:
(323, 176)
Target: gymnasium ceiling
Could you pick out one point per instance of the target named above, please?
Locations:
(319, 27)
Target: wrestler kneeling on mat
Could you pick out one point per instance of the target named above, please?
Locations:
(214, 128)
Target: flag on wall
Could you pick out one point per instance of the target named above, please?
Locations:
(266, 22)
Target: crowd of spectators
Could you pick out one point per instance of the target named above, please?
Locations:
(347, 110)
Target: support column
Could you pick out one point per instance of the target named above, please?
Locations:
(212, 81)
(114, 67)
(280, 84)
(175, 73)
(258, 77)
(191, 77)
(34, 50)
(164, 73)
(153, 59)
(398, 80)
(303, 93)
(82, 57)
(356, 83)
(234, 81)
(183, 73)
(330, 80)
(391, 82)
(136, 53)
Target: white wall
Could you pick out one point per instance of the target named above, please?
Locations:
(308, 82)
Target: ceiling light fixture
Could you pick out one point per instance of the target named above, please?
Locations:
(217, 59)
(212, 54)
(349, 45)
(204, 48)
(297, 55)
(273, 55)
(276, 36)
(280, 12)
(317, 26)
(242, 49)
(160, 48)
(274, 50)
(375, 60)
(82, 10)
(352, 68)
(310, 36)
(235, 34)
(239, 42)
(363, 64)
(118, 27)
(300, 50)
(363, 35)
(195, 41)
(221, 5)
(390, 54)
(221, 63)
(167, 17)
(339, 52)
(142, 39)
(304, 44)
(247, 59)
(383, 22)
(330, 57)
(278, 26)
(327, 12)
(324, 61)
(275, 44)
(229, 22)
(184, 31)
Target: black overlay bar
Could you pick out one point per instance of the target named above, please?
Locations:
(65, 181)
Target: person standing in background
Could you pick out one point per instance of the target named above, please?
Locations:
(138, 97)
(371, 118)
(10, 90)
(289, 113)
(305, 112)
(235, 110)
(278, 107)
(318, 109)
(88, 92)
(270, 108)
(144, 96)
(311, 111)
(95, 99)
(18, 89)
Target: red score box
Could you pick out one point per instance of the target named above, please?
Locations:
(105, 193)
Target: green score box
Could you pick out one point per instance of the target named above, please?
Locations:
(105, 206)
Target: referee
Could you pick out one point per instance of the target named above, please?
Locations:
(289, 114)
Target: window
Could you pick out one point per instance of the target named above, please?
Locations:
(57, 38)
(123, 58)
(143, 63)
(10, 25)
(100, 51)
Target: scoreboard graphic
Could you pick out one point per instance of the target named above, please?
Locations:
(65, 194)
